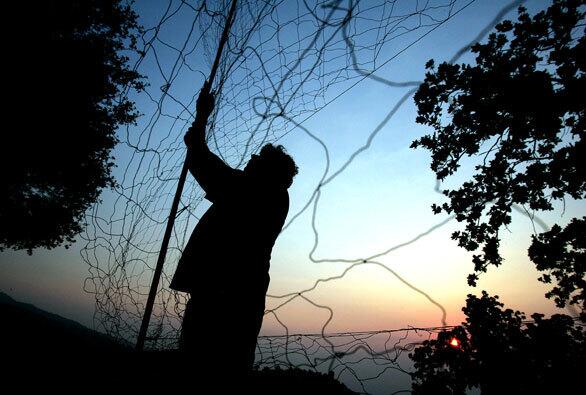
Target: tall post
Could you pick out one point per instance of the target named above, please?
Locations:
(171, 220)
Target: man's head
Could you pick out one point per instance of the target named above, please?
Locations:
(272, 164)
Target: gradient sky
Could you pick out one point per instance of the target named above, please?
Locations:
(381, 200)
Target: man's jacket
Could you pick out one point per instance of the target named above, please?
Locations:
(232, 242)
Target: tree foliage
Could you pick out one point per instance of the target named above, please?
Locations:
(70, 73)
(520, 112)
(562, 253)
(500, 353)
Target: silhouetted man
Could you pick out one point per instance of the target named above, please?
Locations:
(225, 265)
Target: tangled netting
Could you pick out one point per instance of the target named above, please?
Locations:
(346, 354)
(284, 61)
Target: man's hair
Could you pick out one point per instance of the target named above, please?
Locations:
(280, 165)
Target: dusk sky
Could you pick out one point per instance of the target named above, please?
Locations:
(381, 200)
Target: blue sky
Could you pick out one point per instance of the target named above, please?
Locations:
(382, 199)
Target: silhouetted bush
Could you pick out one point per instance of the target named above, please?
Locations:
(496, 351)
(68, 77)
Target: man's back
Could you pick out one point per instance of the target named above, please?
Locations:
(234, 238)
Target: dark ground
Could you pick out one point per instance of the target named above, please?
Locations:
(39, 348)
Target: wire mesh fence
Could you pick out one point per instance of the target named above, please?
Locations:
(285, 61)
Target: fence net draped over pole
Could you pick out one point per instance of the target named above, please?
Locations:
(283, 62)
(171, 221)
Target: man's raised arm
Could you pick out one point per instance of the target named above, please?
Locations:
(211, 173)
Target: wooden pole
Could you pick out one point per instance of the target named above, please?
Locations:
(171, 220)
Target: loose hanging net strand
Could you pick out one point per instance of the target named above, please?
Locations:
(282, 65)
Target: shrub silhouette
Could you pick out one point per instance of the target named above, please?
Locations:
(67, 99)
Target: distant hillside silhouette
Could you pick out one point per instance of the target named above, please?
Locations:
(26, 328)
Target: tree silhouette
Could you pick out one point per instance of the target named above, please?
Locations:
(496, 351)
(520, 111)
(68, 78)
(563, 253)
